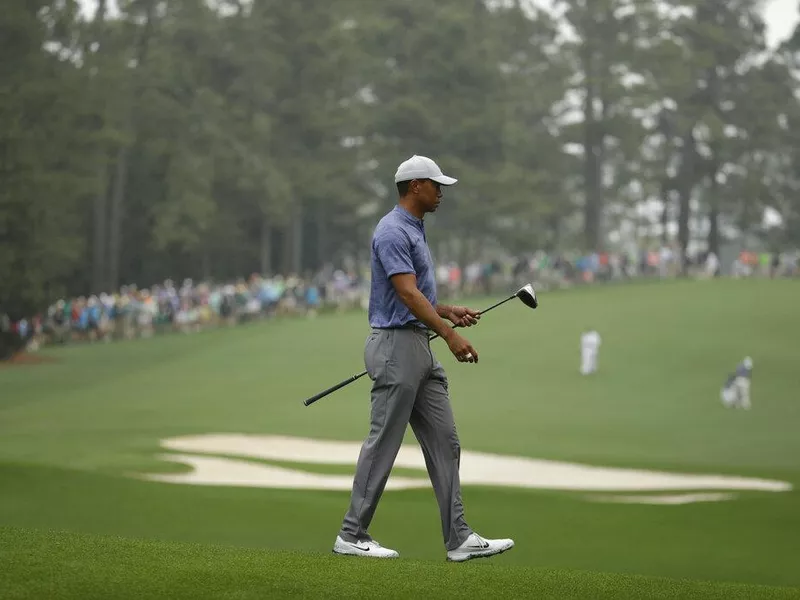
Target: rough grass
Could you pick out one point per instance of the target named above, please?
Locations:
(65, 566)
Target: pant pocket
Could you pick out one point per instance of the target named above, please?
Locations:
(376, 352)
(369, 345)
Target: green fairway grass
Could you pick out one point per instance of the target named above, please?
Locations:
(62, 565)
(75, 432)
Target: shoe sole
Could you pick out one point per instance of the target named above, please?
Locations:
(373, 556)
(474, 556)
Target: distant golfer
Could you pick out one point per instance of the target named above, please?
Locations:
(590, 347)
(735, 392)
(409, 384)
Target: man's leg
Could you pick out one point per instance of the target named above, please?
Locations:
(394, 389)
(435, 430)
(433, 424)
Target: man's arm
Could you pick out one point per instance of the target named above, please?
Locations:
(405, 284)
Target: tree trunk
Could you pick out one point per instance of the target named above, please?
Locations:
(286, 249)
(117, 208)
(713, 215)
(100, 205)
(463, 260)
(266, 247)
(206, 263)
(292, 255)
(555, 232)
(121, 176)
(100, 234)
(600, 162)
(685, 184)
(297, 241)
(591, 180)
(665, 189)
(323, 239)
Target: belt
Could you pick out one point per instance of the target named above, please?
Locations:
(407, 327)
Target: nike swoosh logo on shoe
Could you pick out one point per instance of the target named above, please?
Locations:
(365, 549)
(479, 546)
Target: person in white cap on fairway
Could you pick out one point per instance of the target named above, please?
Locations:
(590, 348)
(409, 384)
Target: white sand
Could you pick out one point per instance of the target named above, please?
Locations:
(477, 468)
(672, 499)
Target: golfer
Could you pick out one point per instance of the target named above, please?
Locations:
(735, 393)
(409, 384)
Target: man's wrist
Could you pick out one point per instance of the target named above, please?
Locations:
(447, 334)
(444, 310)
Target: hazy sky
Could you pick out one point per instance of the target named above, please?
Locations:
(781, 17)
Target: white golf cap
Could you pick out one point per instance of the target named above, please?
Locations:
(421, 167)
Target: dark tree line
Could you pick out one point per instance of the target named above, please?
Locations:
(183, 138)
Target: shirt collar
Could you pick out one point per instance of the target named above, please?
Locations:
(407, 216)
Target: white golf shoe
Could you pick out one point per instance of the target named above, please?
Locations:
(369, 549)
(477, 547)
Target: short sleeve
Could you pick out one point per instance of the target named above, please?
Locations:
(393, 249)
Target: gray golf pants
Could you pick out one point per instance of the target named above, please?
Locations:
(409, 386)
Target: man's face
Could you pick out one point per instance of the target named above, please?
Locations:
(429, 193)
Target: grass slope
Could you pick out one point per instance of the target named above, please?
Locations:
(58, 565)
(751, 540)
(72, 431)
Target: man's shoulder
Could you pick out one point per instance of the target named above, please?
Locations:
(389, 226)
(387, 220)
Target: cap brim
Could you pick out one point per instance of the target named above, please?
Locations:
(444, 180)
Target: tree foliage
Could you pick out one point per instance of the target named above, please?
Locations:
(147, 139)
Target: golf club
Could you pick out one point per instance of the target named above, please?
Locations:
(526, 293)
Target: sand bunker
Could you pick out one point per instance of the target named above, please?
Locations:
(477, 468)
(664, 499)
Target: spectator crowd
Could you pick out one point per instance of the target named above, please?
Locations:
(131, 312)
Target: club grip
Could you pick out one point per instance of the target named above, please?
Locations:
(330, 390)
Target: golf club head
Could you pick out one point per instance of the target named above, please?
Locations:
(528, 295)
